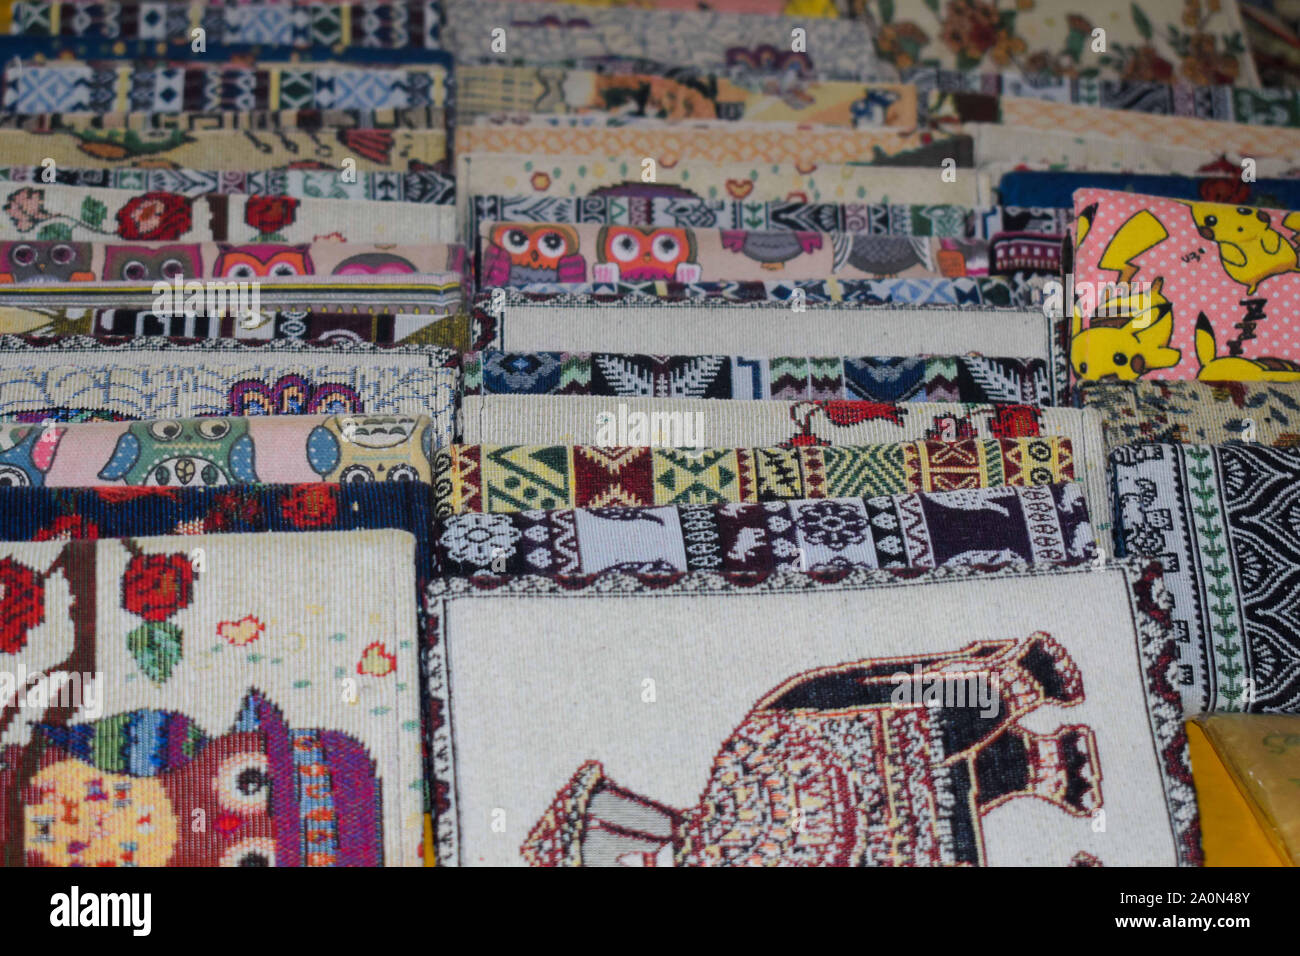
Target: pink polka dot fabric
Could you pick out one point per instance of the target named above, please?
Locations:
(1195, 278)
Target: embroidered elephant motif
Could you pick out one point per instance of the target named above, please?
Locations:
(844, 766)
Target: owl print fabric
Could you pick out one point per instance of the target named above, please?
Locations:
(1207, 290)
(317, 32)
(42, 514)
(109, 215)
(194, 693)
(1219, 520)
(207, 452)
(525, 253)
(1076, 717)
(541, 90)
(1042, 523)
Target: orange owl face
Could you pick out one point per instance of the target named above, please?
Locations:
(263, 261)
(536, 247)
(646, 253)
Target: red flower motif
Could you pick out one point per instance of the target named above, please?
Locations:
(156, 586)
(68, 528)
(155, 217)
(233, 509)
(311, 506)
(22, 604)
(270, 213)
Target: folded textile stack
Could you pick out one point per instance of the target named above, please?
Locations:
(230, 260)
(899, 397)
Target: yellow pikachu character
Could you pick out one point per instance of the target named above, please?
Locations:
(1129, 342)
(1233, 368)
(1250, 249)
(1129, 334)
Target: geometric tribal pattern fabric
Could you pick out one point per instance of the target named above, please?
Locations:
(977, 526)
(505, 418)
(506, 478)
(996, 291)
(1224, 102)
(701, 422)
(421, 183)
(1221, 520)
(881, 379)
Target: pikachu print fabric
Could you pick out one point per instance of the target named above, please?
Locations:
(1174, 289)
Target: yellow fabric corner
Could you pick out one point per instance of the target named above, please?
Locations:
(1230, 834)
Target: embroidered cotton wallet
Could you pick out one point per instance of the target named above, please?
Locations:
(195, 693)
(721, 726)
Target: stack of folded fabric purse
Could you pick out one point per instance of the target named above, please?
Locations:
(657, 434)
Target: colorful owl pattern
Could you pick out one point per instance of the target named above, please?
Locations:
(529, 253)
(209, 452)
